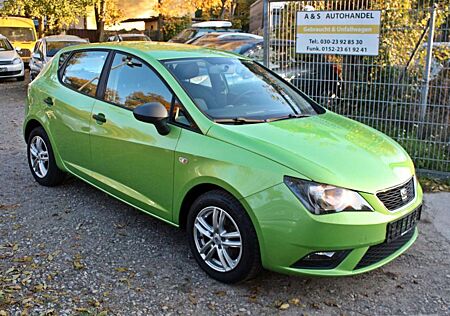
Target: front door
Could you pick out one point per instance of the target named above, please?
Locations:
(129, 157)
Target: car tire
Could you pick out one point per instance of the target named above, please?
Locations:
(21, 78)
(227, 262)
(41, 159)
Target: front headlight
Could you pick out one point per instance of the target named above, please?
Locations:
(16, 61)
(324, 199)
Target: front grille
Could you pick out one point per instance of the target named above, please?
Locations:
(9, 73)
(397, 228)
(394, 199)
(378, 252)
(25, 53)
(6, 62)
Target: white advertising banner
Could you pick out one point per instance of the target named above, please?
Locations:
(338, 32)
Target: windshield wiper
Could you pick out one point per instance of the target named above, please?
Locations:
(243, 120)
(238, 120)
(287, 117)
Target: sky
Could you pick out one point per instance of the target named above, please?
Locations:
(136, 9)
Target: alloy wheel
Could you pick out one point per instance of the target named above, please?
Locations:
(39, 157)
(217, 239)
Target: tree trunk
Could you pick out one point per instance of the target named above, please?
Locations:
(40, 26)
(222, 10)
(99, 11)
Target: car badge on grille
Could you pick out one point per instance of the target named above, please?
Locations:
(404, 194)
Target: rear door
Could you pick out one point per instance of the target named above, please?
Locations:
(70, 106)
(129, 157)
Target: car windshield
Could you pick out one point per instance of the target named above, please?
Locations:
(135, 38)
(5, 45)
(18, 34)
(230, 90)
(54, 47)
(185, 35)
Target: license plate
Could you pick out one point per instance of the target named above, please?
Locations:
(3, 69)
(403, 225)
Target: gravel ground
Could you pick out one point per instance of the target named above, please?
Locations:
(74, 250)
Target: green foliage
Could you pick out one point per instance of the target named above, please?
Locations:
(172, 26)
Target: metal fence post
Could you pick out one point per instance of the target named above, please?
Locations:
(266, 32)
(427, 70)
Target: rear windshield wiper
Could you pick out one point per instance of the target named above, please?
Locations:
(238, 120)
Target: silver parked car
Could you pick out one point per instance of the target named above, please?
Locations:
(129, 38)
(47, 47)
(11, 65)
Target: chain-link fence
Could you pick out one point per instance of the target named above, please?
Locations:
(404, 91)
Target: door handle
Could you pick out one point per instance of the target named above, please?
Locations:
(100, 117)
(48, 101)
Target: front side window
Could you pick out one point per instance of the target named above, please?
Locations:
(5, 45)
(239, 90)
(83, 70)
(132, 83)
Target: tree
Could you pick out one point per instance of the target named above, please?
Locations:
(106, 13)
(209, 8)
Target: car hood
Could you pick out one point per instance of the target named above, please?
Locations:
(326, 148)
(8, 55)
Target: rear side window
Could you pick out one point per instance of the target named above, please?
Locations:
(83, 70)
(131, 83)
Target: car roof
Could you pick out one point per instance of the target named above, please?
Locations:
(133, 34)
(212, 24)
(160, 50)
(231, 35)
(62, 38)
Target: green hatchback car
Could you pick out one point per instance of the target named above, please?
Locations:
(258, 174)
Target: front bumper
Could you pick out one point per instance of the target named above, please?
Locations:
(12, 71)
(287, 232)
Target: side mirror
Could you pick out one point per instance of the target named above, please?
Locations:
(154, 113)
(36, 56)
(18, 49)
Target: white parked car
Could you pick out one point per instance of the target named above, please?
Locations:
(47, 47)
(200, 29)
(11, 65)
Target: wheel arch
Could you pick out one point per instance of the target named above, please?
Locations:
(191, 196)
(31, 125)
(197, 189)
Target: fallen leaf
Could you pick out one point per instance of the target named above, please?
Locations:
(284, 306)
(77, 264)
(193, 299)
(9, 207)
(23, 259)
